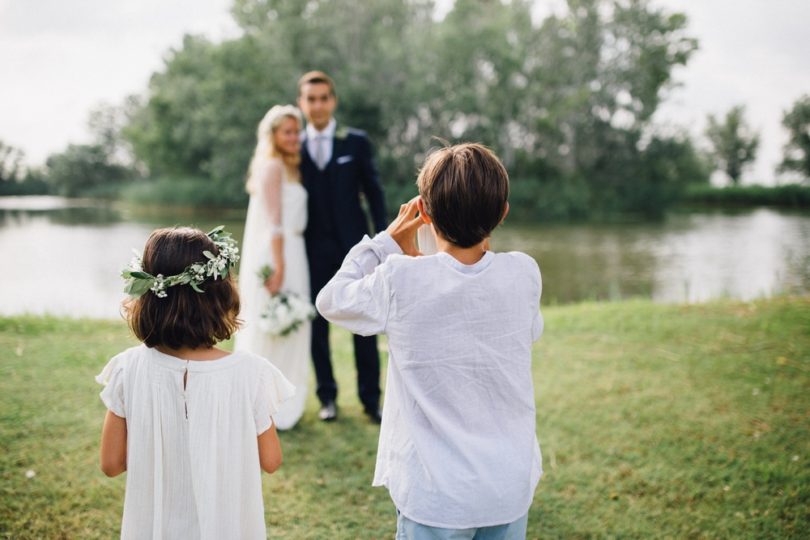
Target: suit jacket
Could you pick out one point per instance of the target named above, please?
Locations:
(336, 218)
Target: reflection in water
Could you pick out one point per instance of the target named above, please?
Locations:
(758, 254)
(687, 258)
(65, 257)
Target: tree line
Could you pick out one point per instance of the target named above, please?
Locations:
(566, 101)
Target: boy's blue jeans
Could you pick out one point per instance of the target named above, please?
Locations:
(411, 530)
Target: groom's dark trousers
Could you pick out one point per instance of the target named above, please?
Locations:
(336, 222)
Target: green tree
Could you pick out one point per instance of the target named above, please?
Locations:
(15, 177)
(566, 102)
(98, 168)
(600, 74)
(371, 49)
(733, 143)
(83, 169)
(11, 163)
(106, 124)
(201, 111)
(797, 151)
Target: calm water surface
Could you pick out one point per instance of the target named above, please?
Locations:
(64, 257)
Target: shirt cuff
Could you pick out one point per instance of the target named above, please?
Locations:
(387, 244)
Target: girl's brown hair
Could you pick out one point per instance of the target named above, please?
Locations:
(184, 318)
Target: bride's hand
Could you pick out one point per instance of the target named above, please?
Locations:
(274, 282)
(403, 229)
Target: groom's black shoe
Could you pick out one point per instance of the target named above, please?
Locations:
(374, 414)
(328, 412)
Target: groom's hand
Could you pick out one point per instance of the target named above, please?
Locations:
(403, 228)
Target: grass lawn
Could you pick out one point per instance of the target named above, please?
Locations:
(656, 421)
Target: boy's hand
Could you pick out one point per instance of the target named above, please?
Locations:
(403, 228)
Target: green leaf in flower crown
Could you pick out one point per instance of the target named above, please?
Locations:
(171, 281)
(196, 287)
(141, 275)
(216, 231)
(209, 255)
(137, 287)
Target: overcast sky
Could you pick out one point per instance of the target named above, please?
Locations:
(60, 58)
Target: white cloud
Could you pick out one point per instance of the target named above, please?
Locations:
(752, 53)
(60, 59)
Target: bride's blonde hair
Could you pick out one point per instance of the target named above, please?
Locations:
(265, 147)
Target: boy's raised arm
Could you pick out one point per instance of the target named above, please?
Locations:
(358, 296)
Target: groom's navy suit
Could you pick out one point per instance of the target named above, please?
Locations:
(336, 222)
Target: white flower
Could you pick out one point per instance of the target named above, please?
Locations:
(194, 274)
(136, 264)
(284, 313)
(159, 286)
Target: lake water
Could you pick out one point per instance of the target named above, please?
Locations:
(64, 257)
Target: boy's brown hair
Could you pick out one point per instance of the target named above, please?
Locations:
(316, 77)
(184, 318)
(464, 189)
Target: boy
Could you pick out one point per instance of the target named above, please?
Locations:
(458, 451)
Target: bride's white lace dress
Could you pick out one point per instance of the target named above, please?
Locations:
(276, 205)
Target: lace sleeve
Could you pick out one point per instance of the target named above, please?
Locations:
(269, 184)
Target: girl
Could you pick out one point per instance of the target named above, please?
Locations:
(274, 227)
(190, 423)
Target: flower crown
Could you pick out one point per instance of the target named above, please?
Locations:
(139, 282)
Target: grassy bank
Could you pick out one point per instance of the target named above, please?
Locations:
(655, 421)
(190, 192)
(787, 196)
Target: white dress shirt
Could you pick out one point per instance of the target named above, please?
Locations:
(457, 443)
(324, 138)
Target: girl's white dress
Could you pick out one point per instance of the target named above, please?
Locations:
(192, 454)
(277, 204)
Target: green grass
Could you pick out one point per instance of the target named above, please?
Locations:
(656, 421)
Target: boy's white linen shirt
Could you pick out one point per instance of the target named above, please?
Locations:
(457, 443)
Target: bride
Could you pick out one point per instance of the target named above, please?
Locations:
(276, 218)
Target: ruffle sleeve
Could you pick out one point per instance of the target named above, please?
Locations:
(273, 390)
(112, 377)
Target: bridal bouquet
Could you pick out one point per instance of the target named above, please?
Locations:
(285, 311)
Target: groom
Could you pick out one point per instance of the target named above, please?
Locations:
(337, 170)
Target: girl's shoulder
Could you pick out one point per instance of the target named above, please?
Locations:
(259, 366)
(121, 362)
(254, 364)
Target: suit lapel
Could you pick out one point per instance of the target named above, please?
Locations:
(306, 163)
(338, 145)
(339, 142)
